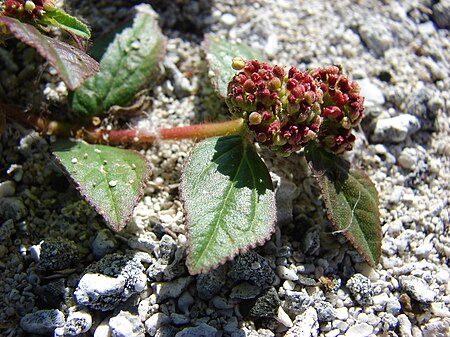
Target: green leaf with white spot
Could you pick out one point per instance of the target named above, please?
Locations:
(219, 54)
(351, 200)
(110, 179)
(229, 201)
(130, 62)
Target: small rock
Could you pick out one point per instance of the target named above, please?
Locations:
(228, 19)
(283, 318)
(203, 330)
(221, 303)
(264, 306)
(179, 319)
(361, 289)
(310, 242)
(389, 322)
(417, 289)
(103, 329)
(380, 301)
(245, 291)
(77, 322)
(126, 324)
(376, 35)
(359, 330)
(441, 14)
(42, 322)
(372, 94)
(7, 230)
(7, 188)
(395, 129)
(166, 249)
(254, 268)
(393, 306)
(325, 311)
(305, 325)
(285, 194)
(404, 326)
(110, 281)
(286, 273)
(145, 242)
(231, 326)
(297, 302)
(209, 284)
(173, 289)
(342, 313)
(185, 301)
(408, 158)
(104, 243)
(12, 208)
(58, 254)
(154, 322)
(15, 171)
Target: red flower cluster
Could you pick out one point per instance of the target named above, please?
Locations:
(29, 10)
(285, 111)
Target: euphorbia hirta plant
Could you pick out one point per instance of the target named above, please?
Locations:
(226, 188)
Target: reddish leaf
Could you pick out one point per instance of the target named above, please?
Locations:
(72, 64)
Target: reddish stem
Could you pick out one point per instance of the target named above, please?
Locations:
(123, 137)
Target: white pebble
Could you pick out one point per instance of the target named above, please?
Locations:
(284, 318)
(359, 330)
(7, 188)
(286, 273)
(228, 19)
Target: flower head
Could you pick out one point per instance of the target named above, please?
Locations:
(287, 109)
(28, 10)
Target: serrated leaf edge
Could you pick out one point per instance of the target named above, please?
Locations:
(236, 252)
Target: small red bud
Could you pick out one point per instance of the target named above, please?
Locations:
(249, 86)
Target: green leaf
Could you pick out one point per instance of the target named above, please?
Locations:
(130, 62)
(71, 64)
(351, 200)
(67, 22)
(219, 54)
(110, 179)
(229, 201)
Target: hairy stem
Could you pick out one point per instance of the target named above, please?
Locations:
(124, 136)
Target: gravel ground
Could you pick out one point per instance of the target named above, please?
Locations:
(63, 273)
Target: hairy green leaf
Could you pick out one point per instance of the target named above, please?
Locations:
(229, 201)
(351, 200)
(109, 178)
(219, 54)
(130, 62)
(72, 64)
(67, 22)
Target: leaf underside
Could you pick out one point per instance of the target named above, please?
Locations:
(219, 54)
(351, 200)
(110, 179)
(229, 201)
(130, 62)
(67, 22)
(71, 64)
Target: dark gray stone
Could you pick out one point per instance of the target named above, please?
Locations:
(42, 322)
(58, 254)
(209, 284)
(254, 268)
(264, 306)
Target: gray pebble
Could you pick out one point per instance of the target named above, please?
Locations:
(285, 194)
(110, 281)
(310, 242)
(441, 14)
(361, 289)
(287, 273)
(245, 291)
(7, 229)
(166, 249)
(408, 158)
(266, 305)
(395, 129)
(376, 35)
(305, 325)
(209, 284)
(77, 322)
(254, 268)
(154, 322)
(417, 288)
(325, 311)
(173, 289)
(179, 319)
(126, 324)
(58, 254)
(372, 93)
(12, 208)
(15, 171)
(404, 326)
(203, 330)
(185, 301)
(7, 188)
(104, 243)
(145, 242)
(42, 322)
(296, 302)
